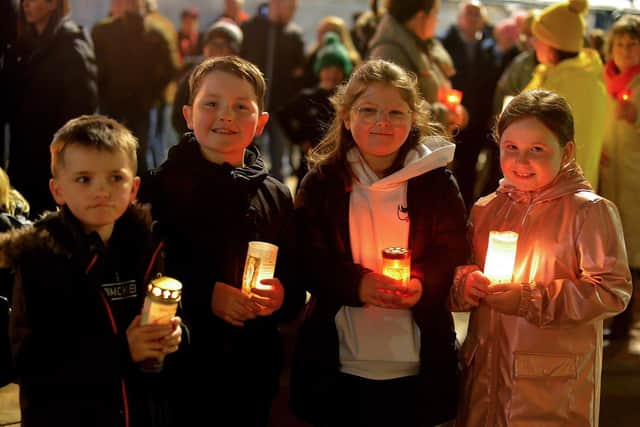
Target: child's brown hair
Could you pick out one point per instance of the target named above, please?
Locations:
(93, 131)
(233, 65)
(548, 107)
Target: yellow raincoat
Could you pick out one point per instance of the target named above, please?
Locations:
(580, 81)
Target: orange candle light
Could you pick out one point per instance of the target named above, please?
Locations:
(396, 264)
(449, 97)
(259, 264)
(501, 256)
(624, 95)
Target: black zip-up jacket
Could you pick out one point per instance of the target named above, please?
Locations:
(209, 213)
(73, 301)
(437, 239)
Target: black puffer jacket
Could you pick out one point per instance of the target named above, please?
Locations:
(209, 213)
(437, 239)
(73, 301)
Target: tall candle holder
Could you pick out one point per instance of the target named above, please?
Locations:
(501, 256)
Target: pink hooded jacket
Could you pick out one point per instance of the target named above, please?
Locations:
(542, 366)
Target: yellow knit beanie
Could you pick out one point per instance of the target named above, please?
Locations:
(562, 25)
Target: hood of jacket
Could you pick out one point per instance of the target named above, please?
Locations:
(430, 153)
(61, 233)
(569, 180)
(187, 155)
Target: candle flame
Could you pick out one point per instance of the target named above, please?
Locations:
(501, 256)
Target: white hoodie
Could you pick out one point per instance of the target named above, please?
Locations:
(378, 343)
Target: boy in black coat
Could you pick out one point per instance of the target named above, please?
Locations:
(80, 280)
(212, 196)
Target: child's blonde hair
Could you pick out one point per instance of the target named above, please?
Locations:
(11, 201)
(232, 65)
(550, 108)
(338, 140)
(93, 131)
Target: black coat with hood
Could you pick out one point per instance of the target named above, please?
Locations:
(208, 214)
(73, 300)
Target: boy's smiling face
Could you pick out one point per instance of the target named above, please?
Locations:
(96, 185)
(225, 117)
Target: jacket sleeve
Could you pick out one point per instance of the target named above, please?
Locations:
(80, 80)
(327, 270)
(602, 287)
(446, 246)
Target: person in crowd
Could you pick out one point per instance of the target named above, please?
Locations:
(161, 134)
(537, 339)
(518, 73)
(14, 210)
(365, 26)
(619, 166)
(86, 266)
(8, 35)
(575, 73)
(265, 38)
(135, 65)
(471, 50)
(48, 42)
(211, 197)
(189, 37)
(405, 36)
(328, 24)
(378, 180)
(223, 38)
(307, 117)
(234, 10)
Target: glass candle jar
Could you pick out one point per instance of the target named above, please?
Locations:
(396, 264)
(160, 304)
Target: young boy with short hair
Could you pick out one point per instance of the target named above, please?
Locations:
(80, 279)
(211, 197)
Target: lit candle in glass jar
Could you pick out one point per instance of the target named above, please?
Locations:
(396, 264)
(160, 304)
(501, 256)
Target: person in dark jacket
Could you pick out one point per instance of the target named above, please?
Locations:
(212, 197)
(373, 350)
(265, 40)
(135, 64)
(52, 72)
(81, 277)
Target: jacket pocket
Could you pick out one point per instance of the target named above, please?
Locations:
(531, 365)
(543, 389)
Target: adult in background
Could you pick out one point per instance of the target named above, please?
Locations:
(471, 51)
(53, 75)
(574, 72)
(234, 10)
(275, 44)
(405, 36)
(189, 37)
(161, 134)
(620, 166)
(135, 64)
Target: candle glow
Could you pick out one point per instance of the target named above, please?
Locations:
(396, 264)
(450, 97)
(260, 264)
(501, 256)
(624, 95)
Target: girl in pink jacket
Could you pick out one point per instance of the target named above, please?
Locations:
(533, 353)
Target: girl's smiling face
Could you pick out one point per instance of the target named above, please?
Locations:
(531, 155)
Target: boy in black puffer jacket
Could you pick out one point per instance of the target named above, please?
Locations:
(80, 280)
